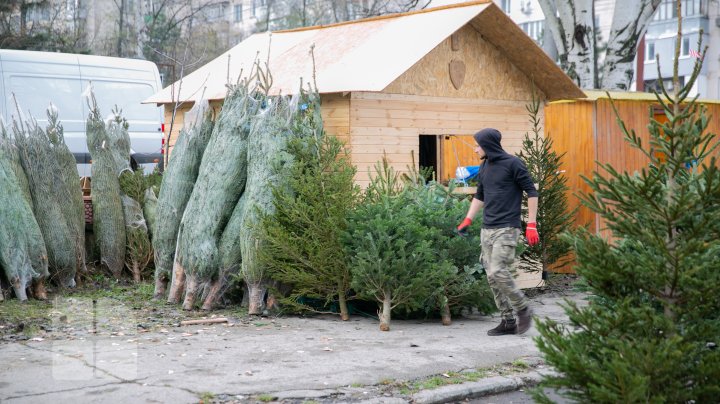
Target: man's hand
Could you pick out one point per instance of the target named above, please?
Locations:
(463, 227)
(531, 234)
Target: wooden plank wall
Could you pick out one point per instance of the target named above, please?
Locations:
(335, 110)
(392, 123)
(588, 132)
(570, 125)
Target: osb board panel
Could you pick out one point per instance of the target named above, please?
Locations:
(488, 73)
(521, 51)
(570, 126)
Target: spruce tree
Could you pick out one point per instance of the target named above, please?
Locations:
(553, 216)
(303, 245)
(651, 329)
(393, 258)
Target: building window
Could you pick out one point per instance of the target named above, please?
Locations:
(215, 12)
(37, 13)
(667, 10)
(685, 50)
(534, 29)
(505, 5)
(650, 51)
(654, 85)
(238, 12)
(257, 5)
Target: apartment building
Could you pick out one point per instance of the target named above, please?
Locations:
(701, 19)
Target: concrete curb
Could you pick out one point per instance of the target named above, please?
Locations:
(445, 394)
(484, 387)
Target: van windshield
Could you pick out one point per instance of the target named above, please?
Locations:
(128, 97)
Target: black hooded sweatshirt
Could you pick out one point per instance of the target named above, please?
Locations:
(501, 182)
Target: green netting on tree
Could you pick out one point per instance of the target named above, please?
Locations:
(220, 183)
(139, 249)
(119, 141)
(132, 186)
(47, 189)
(108, 219)
(177, 185)
(268, 136)
(150, 209)
(14, 157)
(69, 192)
(22, 249)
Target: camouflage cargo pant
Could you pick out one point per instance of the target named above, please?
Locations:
(498, 255)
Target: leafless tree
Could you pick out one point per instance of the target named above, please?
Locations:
(41, 25)
(572, 26)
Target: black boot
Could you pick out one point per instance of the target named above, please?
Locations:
(505, 328)
(524, 319)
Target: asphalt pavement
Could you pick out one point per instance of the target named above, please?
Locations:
(292, 359)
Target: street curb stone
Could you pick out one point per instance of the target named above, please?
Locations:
(480, 388)
(290, 394)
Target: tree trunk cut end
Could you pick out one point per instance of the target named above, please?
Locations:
(177, 285)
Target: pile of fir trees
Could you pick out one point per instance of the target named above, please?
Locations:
(216, 190)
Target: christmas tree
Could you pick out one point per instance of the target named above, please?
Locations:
(553, 216)
(651, 330)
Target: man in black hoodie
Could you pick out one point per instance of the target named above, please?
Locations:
(501, 182)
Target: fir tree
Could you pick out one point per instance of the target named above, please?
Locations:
(440, 209)
(303, 245)
(651, 330)
(393, 257)
(553, 216)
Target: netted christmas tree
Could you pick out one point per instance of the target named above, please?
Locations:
(13, 158)
(553, 215)
(220, 182)
(69, 191)
(302, 239)
(23, 257)
(150, 209)
(108, 216)
(54, 189)
(138, 249)
(269, 135)
(175, 190)
(652, 328)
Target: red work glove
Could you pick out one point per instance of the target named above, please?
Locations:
(531, 234)
(462, 227)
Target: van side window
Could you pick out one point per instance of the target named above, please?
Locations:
(127, 96)
(34, 94)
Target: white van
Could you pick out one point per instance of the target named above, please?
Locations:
(40, 78)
